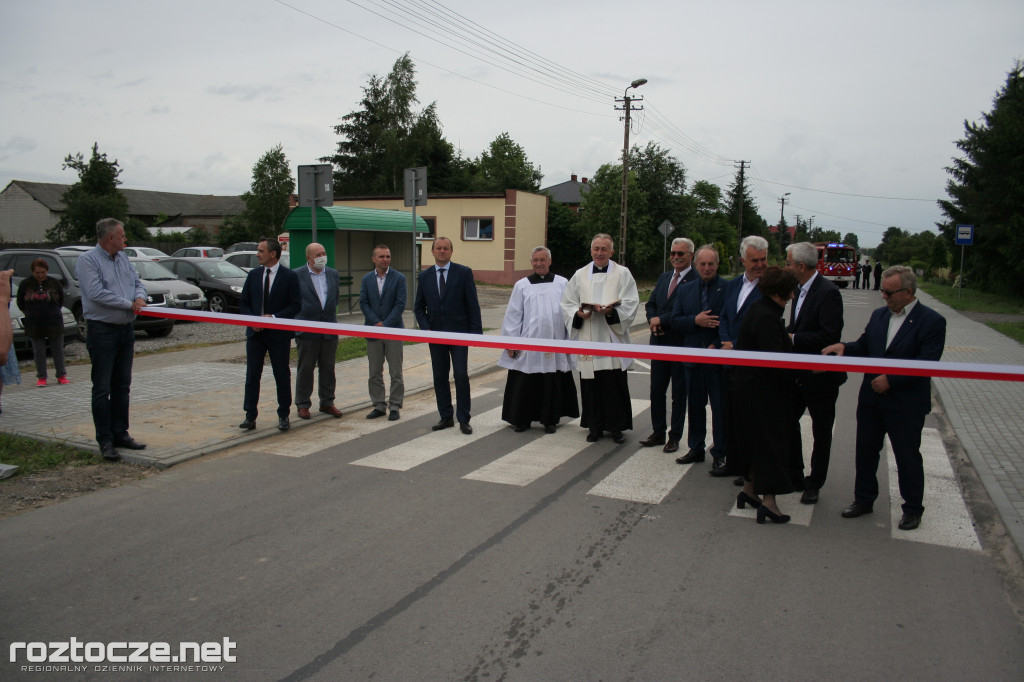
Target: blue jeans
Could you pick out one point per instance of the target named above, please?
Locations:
(111, 350)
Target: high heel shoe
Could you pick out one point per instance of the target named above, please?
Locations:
(743, 499)
(764, 511)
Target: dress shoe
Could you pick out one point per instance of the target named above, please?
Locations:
(443, 424)
(333, 411)
(618, 438)
(691, 457)
(109, 453)
(653, 439)
(393, 417)
(549, 428)
(594, 436)
(375, 413)
(857, 509)
(248, 424)
(910, 521)
(764, 512)
(810, 495)
(465, 428)
(671, 446)
(718, 468)
(521, 427)
(129, 443)
(283, 424)
(304, 413)
(743, 499)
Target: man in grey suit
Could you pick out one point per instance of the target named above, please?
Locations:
(382, 299)
(318, 285)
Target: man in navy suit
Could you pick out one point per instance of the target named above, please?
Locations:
(815, 321)
(696, 314)
(896, 405)
(740, 294)
(446, 302)
(382, 300)
(318, 289)
(659, 312)
(271, 291)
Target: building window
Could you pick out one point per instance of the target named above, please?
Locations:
(475, 229)
(431, 225)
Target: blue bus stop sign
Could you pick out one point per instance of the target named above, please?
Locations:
(964, 235)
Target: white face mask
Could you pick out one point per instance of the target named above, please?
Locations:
(320, 262)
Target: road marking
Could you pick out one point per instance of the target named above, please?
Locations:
(433, 445)
(543, 454)
(348, 429)
(946, 520)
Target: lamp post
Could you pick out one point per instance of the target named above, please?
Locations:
(626, 99)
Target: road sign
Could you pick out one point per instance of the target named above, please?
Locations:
(964, 235)
(666, 228)
(415, 186)
(316, 185)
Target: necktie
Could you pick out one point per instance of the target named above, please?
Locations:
(672, 286)
(266, 292)
(704, 305)
(440, 287)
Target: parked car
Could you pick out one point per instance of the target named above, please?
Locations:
(145, 252)
(75, 247)
(21, 342)
(247, 259)
(220, 280)
(157, 296)
(242, 246)
(182, 294)
(198, 252)
(20, 260)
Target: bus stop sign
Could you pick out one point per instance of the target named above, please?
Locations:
(964, 235)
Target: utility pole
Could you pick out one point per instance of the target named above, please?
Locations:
(782, 216)
(739, 198)
(627, 108)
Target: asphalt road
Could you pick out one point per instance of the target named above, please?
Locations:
(354, 550)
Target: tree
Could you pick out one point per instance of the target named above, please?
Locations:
(570, 248)
(601, 210)
(267, 201)
(987, 190)
(504, 166)
(93, 197)
(753, 223)
(851, 240)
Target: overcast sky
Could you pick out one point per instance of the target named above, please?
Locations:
(825, 99)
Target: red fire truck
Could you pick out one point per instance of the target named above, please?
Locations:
(837, 262)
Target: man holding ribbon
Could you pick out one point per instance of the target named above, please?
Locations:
(598, 305)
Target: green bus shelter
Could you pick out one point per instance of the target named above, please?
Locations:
(349, 235)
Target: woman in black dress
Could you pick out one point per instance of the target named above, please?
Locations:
(40, 299)
(767, 395)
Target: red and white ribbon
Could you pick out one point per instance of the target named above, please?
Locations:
(953, 370)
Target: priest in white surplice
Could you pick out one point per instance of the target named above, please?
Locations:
(540, 386)
(599, 305)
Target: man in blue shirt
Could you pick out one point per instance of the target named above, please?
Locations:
(112, 294)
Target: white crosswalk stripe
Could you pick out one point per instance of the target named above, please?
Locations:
(526, 464)
(946, 520)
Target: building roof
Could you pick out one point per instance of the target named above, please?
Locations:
(568, 192)
(351, 218)
(143, 202)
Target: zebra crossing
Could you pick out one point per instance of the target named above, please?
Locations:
(646, 476)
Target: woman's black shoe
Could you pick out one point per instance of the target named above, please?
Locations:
(743, 499)
(764, 511)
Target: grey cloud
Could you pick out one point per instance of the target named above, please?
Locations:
(16, 145)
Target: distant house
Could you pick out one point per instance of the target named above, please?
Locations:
(29, 209)
(569, 192)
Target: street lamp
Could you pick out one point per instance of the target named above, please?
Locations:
(625, 167)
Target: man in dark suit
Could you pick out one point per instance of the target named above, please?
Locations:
(894, 406)
(696, 314)
(446, 302)
(740, 294)
(659, 310)
(878, 274)
(382, 300)
(318, 289)
(815, 321)
(271, 291)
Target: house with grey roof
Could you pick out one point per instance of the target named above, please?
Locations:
(29, 209)
(569, 192)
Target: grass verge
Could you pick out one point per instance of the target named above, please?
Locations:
(31, 455)
(973, 300)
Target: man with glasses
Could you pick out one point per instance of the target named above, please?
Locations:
(815, 321)
(659, 310)
(896, 405)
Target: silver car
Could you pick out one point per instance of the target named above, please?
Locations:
(180, 294)
(22, 343)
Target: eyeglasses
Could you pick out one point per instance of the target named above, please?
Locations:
(886, 292)
(680, 253)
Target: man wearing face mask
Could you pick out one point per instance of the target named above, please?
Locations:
(318, 286)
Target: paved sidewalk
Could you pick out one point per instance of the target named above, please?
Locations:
(188, 403)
